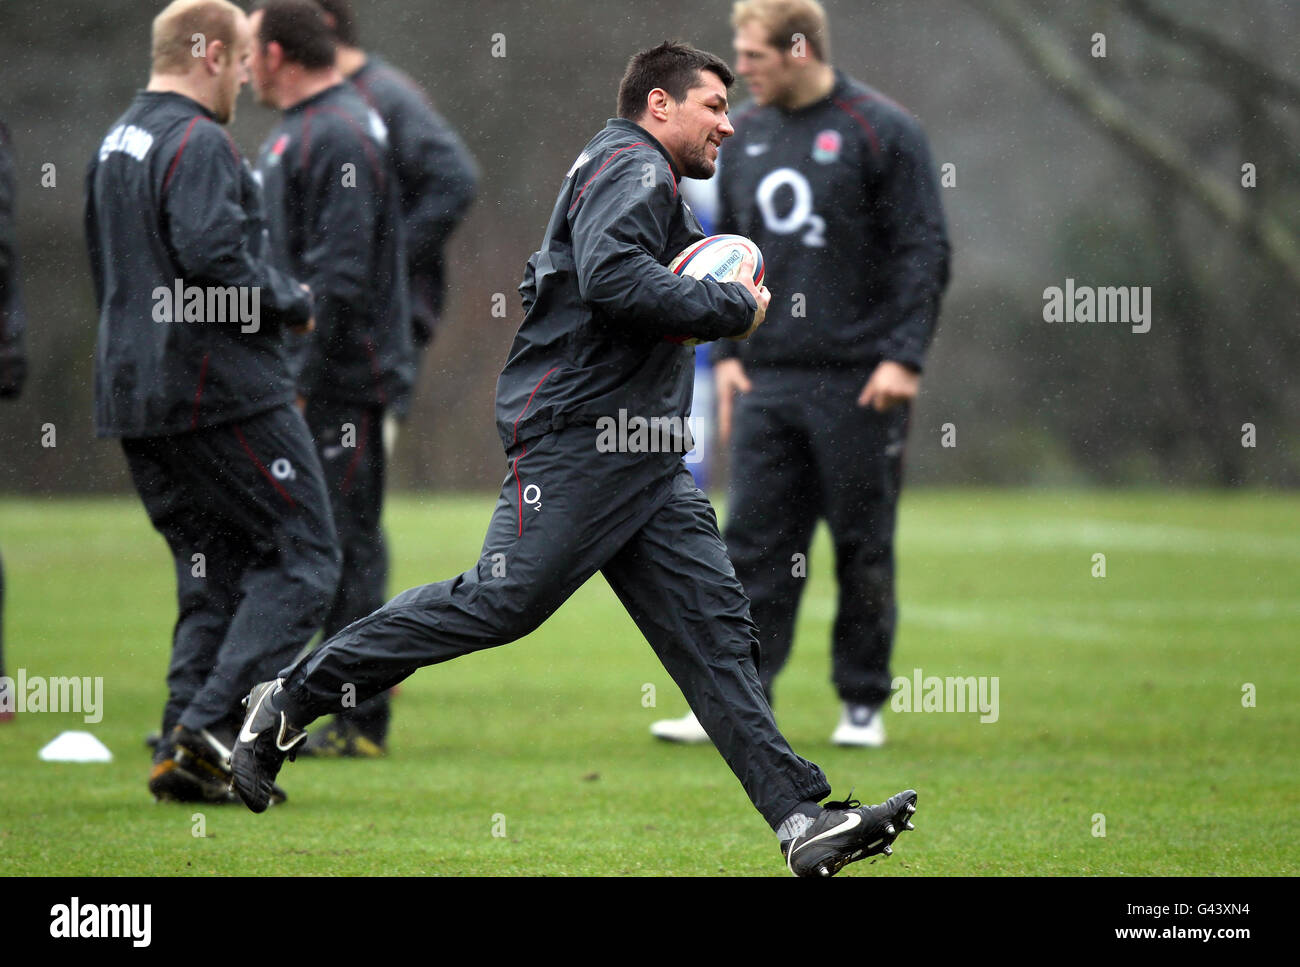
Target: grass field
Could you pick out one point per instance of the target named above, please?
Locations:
(1120, 696)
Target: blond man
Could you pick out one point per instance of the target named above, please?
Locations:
(834, 182)
(191, 374)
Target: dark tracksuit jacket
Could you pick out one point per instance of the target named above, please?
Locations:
(334, 210)
(438, 178)
(603, 323)
(841, 197)
(222, 461)
(169, 197)
(602, 331)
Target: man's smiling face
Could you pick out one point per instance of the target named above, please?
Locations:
(699, 125)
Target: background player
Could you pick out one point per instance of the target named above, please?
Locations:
(199, 390)
(601, 309)
(834, 182)
(438, 178)
(334, 209)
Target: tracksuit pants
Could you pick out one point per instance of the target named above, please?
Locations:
(803, 450)
(565, 512)
(349, 442)
(243, 509)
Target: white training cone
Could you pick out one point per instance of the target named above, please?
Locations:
(76, 747)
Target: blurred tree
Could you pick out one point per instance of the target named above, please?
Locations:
(1226, 173)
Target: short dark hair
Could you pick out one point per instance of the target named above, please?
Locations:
(673, 66)
(345, 21)
(299, 27)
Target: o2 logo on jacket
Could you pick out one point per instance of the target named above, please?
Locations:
(800, 216)
(533, 496)
(282, 469)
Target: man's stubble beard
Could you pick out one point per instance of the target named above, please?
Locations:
(698, 165)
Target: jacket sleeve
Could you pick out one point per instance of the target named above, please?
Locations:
(206, 227)
(907, 207)
(344, 192)
(617, 221)
(528, 287)
(439, 179)
(13, 359)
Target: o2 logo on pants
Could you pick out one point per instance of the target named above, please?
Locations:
(801, 214)
(282, 469)
(533, 496)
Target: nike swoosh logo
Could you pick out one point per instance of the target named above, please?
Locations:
(754, 150)
(851, 821)
(244, 734)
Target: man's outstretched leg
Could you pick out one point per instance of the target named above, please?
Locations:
(677, 583)
(772, 513)
(547, 537)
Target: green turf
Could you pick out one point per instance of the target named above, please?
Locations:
(1119, 695)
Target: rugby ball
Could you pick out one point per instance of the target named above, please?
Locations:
(718, 257)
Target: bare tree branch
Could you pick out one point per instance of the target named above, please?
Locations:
(1140, 137)
(1227, 59)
